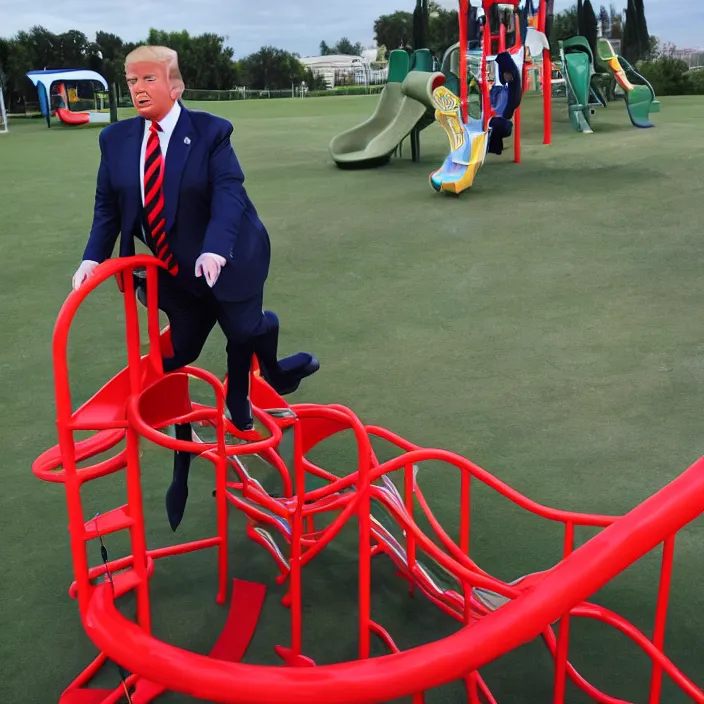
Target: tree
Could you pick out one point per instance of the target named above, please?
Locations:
(580, 16)
(653, 48)
(605, 22)
(273, 69)
(550, 16)
(642, 34)
(113, 50)
(420, 25)
(394, 31)
(17, 60)
(696, 81)
(73, 49)
(564, 26)
(589, 25)
(206, 61)
(111, 46)
(4, 61)
(4, 57)
(636, 38)
(344, 46)
(443, 29)
(616, 22)
(629, 43)
(42, 46)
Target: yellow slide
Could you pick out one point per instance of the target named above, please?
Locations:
(468, 145)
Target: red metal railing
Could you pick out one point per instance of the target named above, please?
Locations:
(142, 400)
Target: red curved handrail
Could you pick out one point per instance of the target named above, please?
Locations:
(553, 514)
(604, 615)
(46, 466)
(62, 326)
(461, 463)
(147, 431)
(578, 576)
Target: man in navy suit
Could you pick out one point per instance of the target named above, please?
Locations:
(192, 211)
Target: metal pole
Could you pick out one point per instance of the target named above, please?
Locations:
(3, 112)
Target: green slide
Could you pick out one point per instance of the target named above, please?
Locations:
(578, 70)
(404, 104)
(585, 74)
(640, 96)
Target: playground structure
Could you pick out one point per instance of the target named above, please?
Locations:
(584, 73)
(405, 106)
(55, 99)
(405, 110)
(500, 73)
(3, 113)
(141, 403)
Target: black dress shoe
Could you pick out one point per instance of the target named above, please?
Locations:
(177, 493)
(286, 375)
(293, 370)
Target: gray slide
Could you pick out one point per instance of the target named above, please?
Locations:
(402, 105)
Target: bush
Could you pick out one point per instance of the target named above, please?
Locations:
(669, 76)
(346, 90)
(696, 80)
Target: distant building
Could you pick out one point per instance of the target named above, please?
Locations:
(345, 69)
(694, 58)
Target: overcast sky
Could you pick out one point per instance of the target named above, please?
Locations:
(295, 25)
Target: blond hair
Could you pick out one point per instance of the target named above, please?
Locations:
(160, 54)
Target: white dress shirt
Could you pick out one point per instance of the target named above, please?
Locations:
(168, 125)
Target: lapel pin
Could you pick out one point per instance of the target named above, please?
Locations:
(187, 140)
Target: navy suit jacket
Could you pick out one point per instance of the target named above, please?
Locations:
(206, 206)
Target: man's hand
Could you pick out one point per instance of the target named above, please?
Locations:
(209, 265)
(83, 272)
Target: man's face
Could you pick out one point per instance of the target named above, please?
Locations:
(153, 93)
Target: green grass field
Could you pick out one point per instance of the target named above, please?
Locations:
(546, 325)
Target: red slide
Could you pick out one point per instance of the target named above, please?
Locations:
(72, 118)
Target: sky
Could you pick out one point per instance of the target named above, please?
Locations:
(294, 25)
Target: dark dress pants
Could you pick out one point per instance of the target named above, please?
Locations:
(192, 318)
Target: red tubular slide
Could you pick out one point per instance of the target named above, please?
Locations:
(72, 118)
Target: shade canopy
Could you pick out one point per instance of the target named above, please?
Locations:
(45, 79)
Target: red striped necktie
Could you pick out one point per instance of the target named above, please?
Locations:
(154, 198)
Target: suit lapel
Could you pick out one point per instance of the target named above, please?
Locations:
(131, 154)
(181, 142)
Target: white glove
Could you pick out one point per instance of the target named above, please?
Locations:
(83, 272)
(209, 265)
